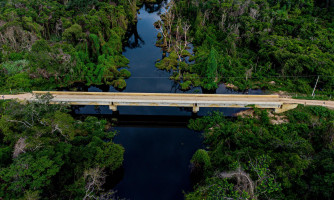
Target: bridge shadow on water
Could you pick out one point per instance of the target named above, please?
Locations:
(158, 149)
(146, 116)
(158, 145)
(125, 120)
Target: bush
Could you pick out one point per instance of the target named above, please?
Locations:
(16, 56)
(73, 34)
(14, 67)
(185, 85)
(125, 73)
(19, 82)
(201, 158)
(119, 83)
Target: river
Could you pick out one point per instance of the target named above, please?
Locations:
(158, 145)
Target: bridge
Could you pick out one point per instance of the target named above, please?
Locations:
(195, 101)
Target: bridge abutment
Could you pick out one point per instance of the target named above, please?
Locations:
(285, 107)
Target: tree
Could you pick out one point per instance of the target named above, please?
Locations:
(29, 172)
(73, 34)
(50, 154)
(81, 4)
(95, 178)
(267, 160)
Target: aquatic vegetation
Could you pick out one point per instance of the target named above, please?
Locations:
(250, 44)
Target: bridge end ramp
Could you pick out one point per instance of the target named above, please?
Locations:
(285, 107)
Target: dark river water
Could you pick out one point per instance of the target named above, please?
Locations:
(158, 145)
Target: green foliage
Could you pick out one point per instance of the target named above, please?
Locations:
(208, 67)
(202, 159)
(16, 56)
(20, 81)
(100, 61)
(125, 73)
(185, 85)
(45, 152)
(322, 173)
(80, 4)
(14, 67)
(216, 189)
(212, 120)
(277, 158)
(41, 45)
(29, 172)
(266, 184)
(73, 33)
(109, 156)
(62, 42)
(5, 155)
(119, 83)
(168, 63)
(252, 44)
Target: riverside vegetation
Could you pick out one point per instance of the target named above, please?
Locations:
(46, 154)
(254, 157)
(49, 44)
(275, 45)
(278, 45)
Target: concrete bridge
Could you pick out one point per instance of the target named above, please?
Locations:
(195, 101)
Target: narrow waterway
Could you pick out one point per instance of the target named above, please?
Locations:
(158, 145)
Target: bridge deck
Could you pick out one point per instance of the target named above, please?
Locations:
(165, 99)
(172, 99)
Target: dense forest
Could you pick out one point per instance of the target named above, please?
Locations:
(49, 44)
(275, 45)
(267, 44)
(47, 154)
(266, 156)
(44, 152)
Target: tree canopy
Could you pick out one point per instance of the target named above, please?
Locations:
(46, 153)
(266, 156)
(51, 44)
(275, 45)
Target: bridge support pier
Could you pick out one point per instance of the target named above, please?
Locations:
(195, 108)
(113, 108)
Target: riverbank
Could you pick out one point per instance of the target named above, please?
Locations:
(253, 156)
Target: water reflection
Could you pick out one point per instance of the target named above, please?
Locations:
(156, 164)
(158, 146)
(155, 7)
(129, 120)
(134, 41)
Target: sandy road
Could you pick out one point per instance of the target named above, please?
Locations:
(328, 104)
(22, 97)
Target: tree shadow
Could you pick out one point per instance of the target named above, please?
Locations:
(134, 39)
